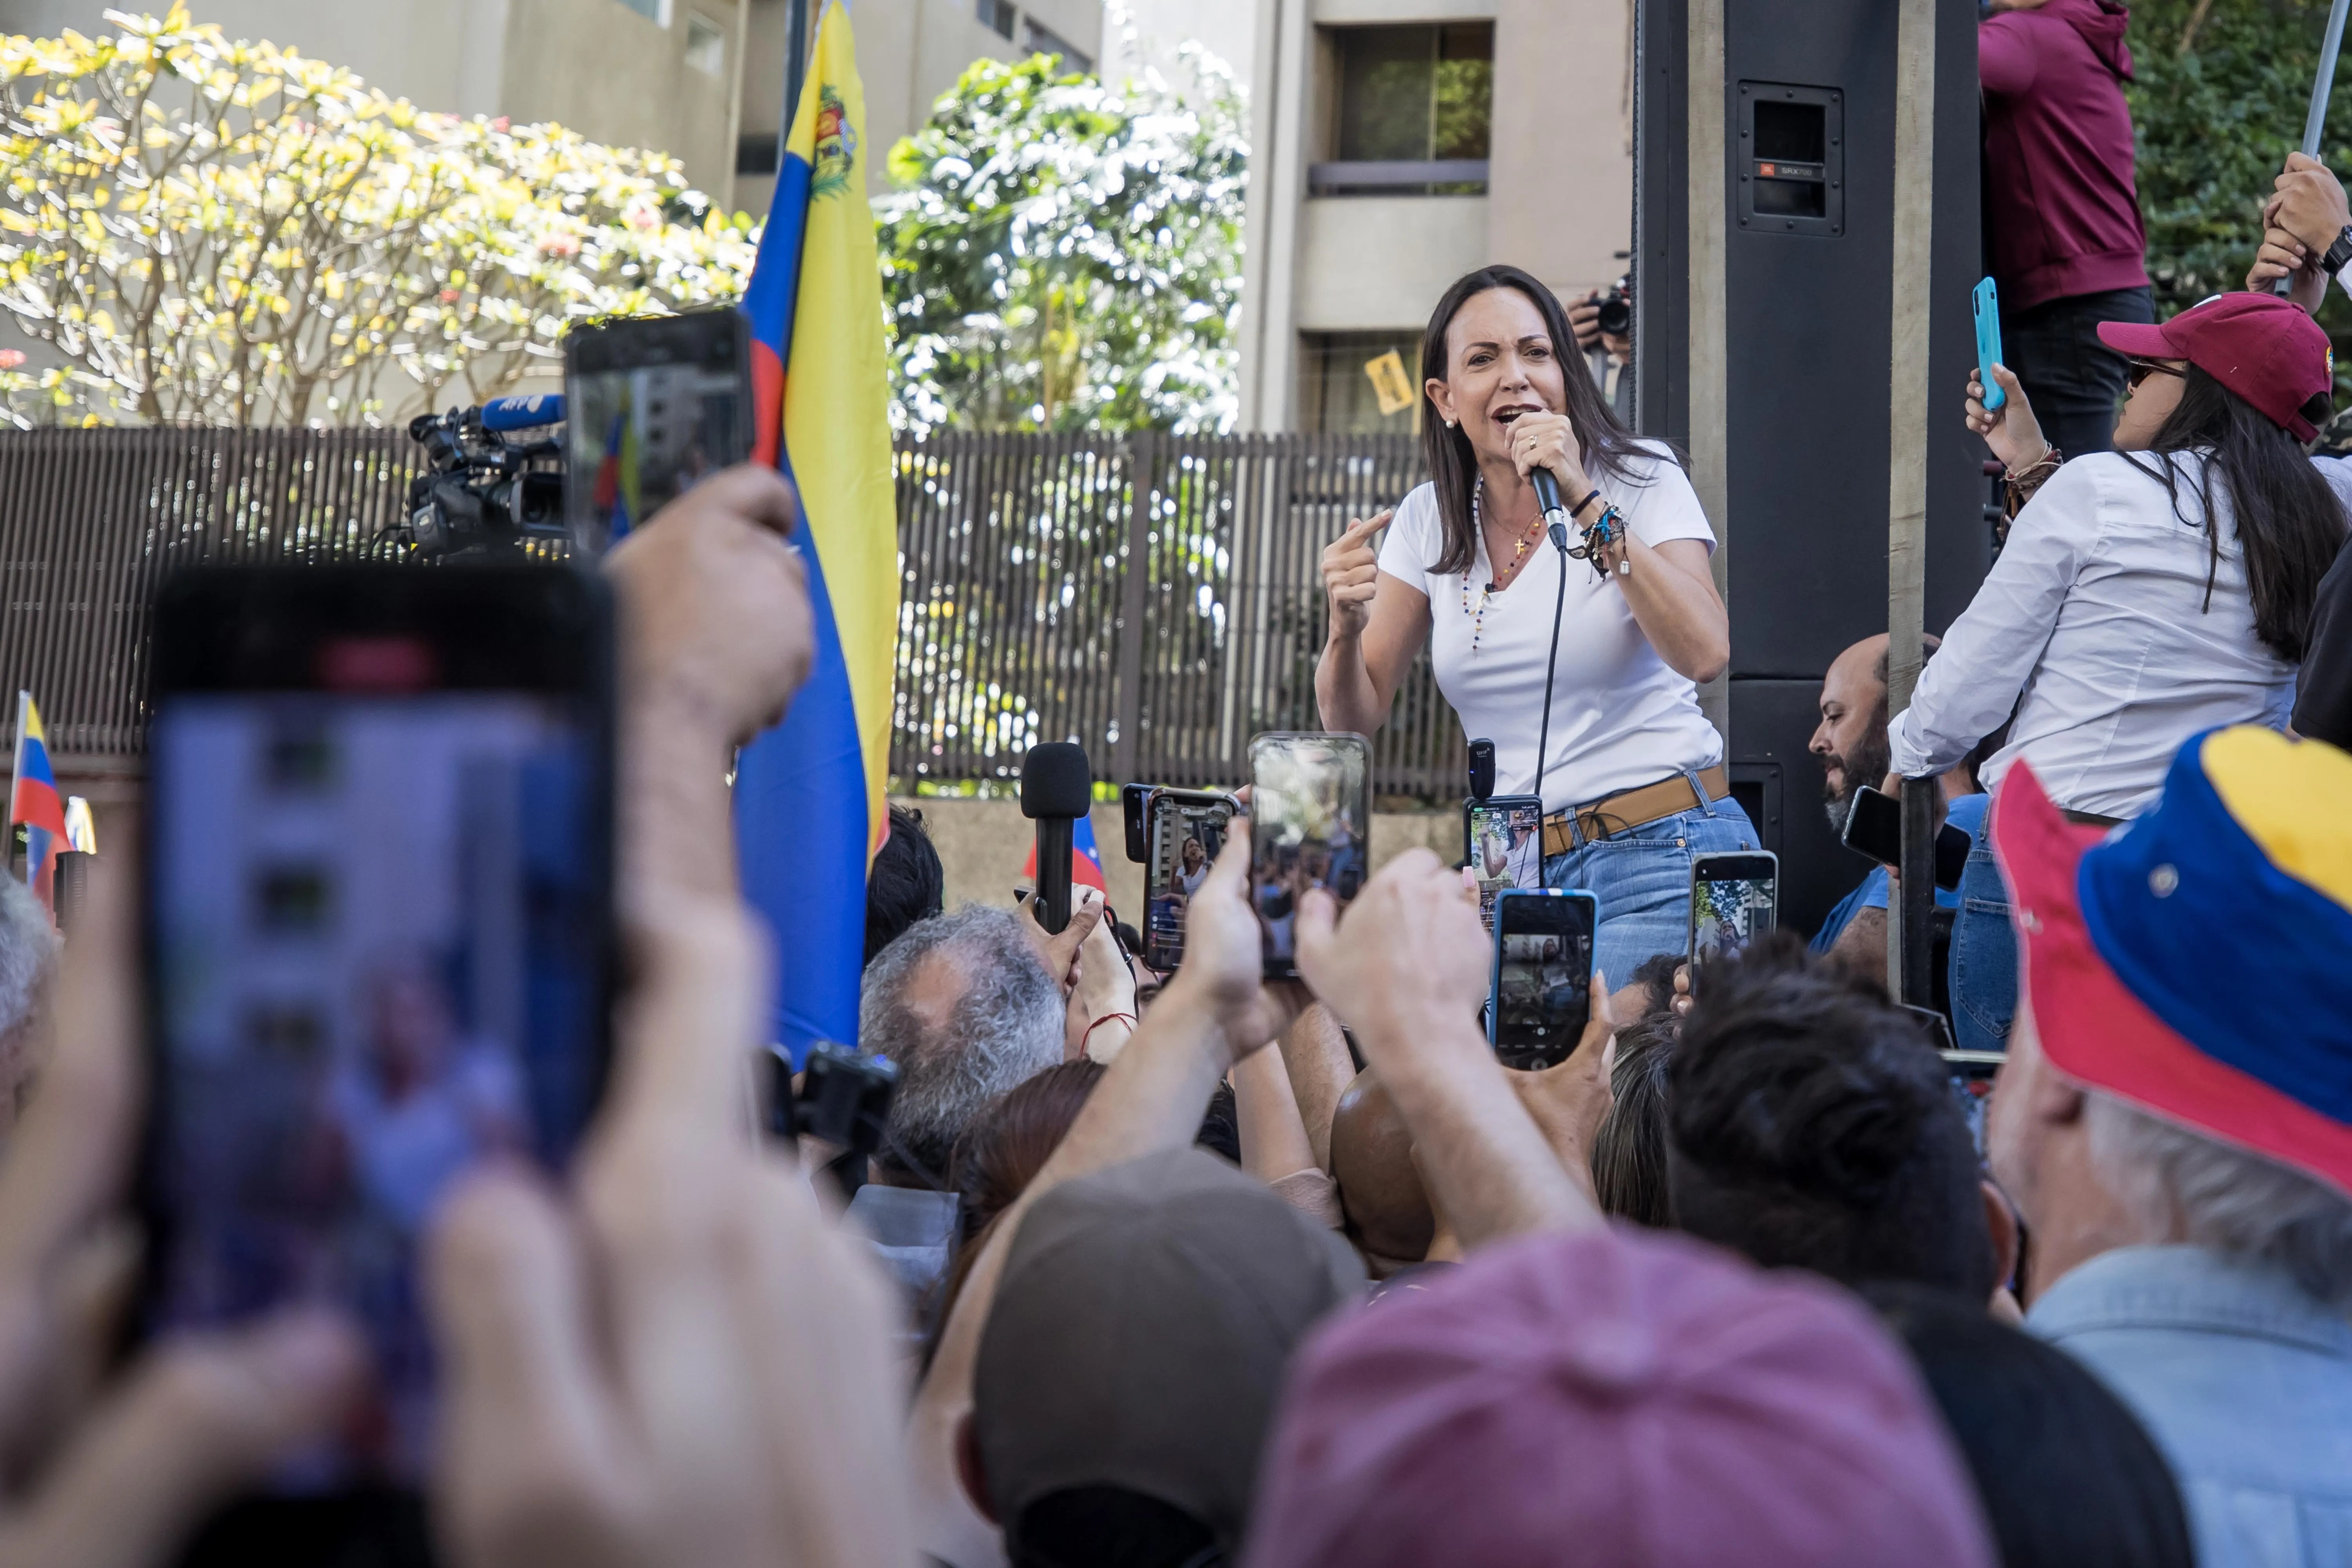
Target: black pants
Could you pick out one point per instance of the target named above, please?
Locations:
(2073, 380)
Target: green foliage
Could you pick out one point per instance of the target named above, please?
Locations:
(2216, 119)
(1062, 257)
(215, 232)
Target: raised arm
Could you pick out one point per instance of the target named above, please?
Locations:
(1378, 623)
(1150, 1099)
(1406, 970)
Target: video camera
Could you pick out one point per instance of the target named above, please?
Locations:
(487, 487)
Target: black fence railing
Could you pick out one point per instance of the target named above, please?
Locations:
(1023, 617)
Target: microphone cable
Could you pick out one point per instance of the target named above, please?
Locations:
(1559, 535)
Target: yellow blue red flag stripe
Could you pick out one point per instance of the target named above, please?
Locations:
(33, 800)
(810, 808)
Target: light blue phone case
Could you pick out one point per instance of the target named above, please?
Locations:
(1988, 303)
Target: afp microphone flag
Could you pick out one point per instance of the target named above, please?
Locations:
(809, 804)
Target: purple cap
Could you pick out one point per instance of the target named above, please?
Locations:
(1643, 1397)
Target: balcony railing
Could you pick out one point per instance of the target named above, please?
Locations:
(1418, 178)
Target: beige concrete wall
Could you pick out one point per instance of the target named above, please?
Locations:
(1372, 263)
(984, 844)
(620, 78)
(1562, 171)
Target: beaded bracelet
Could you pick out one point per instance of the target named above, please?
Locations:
(1608, 530)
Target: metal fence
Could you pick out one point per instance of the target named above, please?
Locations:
(1023, 617)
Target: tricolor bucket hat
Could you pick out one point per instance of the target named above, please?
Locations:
(2244, 867)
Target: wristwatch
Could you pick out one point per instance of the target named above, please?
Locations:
(2339, 253)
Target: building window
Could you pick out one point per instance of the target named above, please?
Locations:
(756, 152)
(654, 11)
(997, 16)
(706, 44)
(1044, 40)
(1414, 109)
(1349, 385)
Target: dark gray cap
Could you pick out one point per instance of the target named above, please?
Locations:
(1141, 1332)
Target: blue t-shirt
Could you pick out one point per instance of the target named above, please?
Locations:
(1966, 814)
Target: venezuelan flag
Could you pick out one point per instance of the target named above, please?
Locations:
(809, 806)
(33, 800)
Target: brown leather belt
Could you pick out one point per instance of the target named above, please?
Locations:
(2090, 818)
(1633, 808)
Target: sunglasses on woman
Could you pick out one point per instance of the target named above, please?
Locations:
(2139, 370)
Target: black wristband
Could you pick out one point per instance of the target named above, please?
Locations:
(2339, 253)
(1589, 497)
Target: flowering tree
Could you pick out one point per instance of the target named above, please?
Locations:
(1062, 257)
(229, 233)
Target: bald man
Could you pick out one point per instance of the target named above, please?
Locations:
(1851, 742)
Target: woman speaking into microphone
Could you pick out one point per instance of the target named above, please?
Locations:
(1582, 667)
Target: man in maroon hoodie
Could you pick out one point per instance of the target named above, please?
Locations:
(2061, 212)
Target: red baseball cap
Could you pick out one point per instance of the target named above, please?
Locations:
(2258, 345)
(2244, 867)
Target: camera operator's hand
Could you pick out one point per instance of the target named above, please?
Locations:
(1224, 954)
(2307, 203)
(1351, 570)
(2284, 255)
(1548, 440)
(1058, 951)
(679, 1362)
(123, 1468)
(715, 620)
(1584, 321)
(2012, 431)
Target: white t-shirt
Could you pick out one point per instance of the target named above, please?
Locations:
(1621, 717)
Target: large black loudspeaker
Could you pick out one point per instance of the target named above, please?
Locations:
(1808, 193)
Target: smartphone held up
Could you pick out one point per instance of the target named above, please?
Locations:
(1310, 820)
(378, 943)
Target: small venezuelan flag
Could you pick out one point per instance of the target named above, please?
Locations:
(33, 800)
(810, 810)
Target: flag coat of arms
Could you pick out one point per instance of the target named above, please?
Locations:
(810, 809)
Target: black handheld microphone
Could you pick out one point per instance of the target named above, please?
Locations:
(1057, 788)
(1555, 510)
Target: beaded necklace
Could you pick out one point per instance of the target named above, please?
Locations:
(1479, 531)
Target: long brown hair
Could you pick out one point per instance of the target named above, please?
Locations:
(1607, 444)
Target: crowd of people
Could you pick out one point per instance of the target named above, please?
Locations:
(1172, 1270)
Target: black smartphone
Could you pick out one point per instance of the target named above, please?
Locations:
(1540, 993)
(653, 405)
(1734, 900)
(378, 945)
(1131, 801)
(1874, 826)
(1502, 842)
(1187, 830)
(1310, 820)
(1972, 1073)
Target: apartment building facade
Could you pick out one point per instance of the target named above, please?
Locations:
(702, 81)
(1398, 143)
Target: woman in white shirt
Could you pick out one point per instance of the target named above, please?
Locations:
(1629, 769)
(2145, 596)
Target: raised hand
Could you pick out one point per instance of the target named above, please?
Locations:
(1351, 571)
(2011, 430)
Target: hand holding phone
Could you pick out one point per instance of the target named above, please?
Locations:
(1540, 994)
(1185, 832)
(1874, 826)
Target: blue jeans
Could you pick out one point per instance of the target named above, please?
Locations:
(1984, 953)
(1641, 878)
